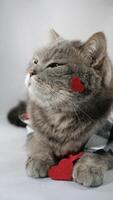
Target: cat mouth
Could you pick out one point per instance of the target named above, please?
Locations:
(28, 80)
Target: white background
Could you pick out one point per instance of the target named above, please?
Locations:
(24, 26)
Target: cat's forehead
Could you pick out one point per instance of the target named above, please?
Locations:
(61, 50)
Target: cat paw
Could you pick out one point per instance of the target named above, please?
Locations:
(35, 168)
(89, 176)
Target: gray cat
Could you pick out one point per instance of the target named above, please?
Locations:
(64, 119)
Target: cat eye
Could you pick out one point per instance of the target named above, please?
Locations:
(53, 65)
(35, 61)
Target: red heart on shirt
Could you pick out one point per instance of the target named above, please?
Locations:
(77, 85)
(26, 116)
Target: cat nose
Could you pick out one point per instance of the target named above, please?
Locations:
(32, 72)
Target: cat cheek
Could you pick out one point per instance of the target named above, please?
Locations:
(27, 80)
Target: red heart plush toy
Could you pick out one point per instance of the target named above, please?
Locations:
(63, 171)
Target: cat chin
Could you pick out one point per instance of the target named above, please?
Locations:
(37, 97)
(39, 102)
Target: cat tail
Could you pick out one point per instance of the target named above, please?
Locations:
(13, 114)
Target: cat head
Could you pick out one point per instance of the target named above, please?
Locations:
(52, 69)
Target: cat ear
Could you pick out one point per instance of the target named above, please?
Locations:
(94, 49)
(53, 35)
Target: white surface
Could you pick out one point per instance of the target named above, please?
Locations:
(15, 185)
(23, 28)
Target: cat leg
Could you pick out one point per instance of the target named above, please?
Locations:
(89, 170)
(40, 157)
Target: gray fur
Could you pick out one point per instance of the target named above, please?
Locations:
(63, 120)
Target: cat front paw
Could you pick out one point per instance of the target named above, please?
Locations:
(36, 168)
(89, 176)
